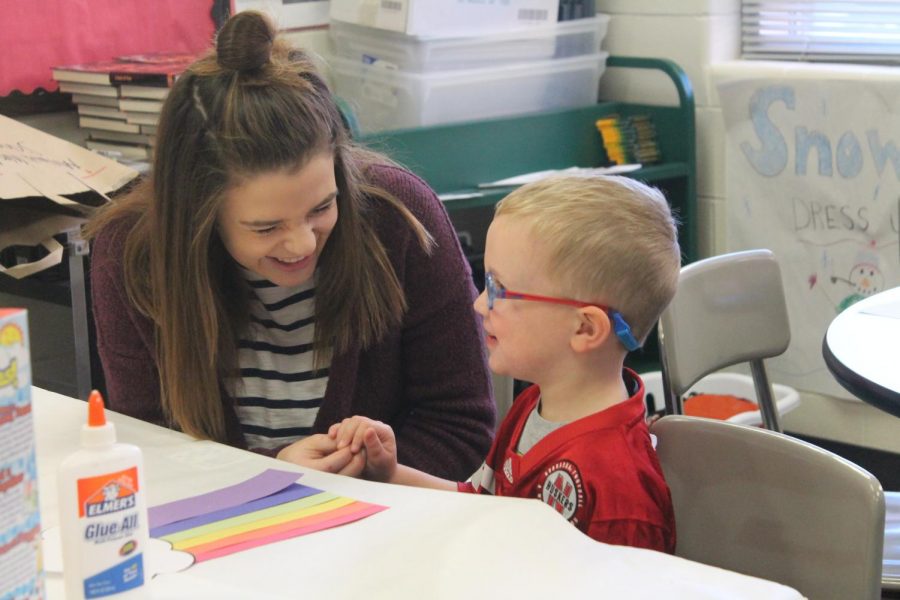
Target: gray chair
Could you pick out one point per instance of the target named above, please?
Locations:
(727, 310)
(771, 506)
(890, 573)
(731, 309)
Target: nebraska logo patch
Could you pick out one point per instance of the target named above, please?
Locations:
(562, 489)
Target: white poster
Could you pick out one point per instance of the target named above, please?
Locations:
(813, 174)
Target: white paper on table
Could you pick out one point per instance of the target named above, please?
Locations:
(538, 175)
(160, 557)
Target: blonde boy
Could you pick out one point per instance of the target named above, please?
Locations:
(578, 271)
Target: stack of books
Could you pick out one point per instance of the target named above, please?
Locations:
(629, 140)
(119, 100)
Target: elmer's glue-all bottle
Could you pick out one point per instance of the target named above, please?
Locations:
(103, 513)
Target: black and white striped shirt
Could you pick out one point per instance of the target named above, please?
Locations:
(278, 395)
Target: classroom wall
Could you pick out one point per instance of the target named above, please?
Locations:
(697, 34)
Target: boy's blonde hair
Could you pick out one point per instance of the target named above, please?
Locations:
(610, 240)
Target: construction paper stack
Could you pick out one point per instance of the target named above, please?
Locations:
(266, 508)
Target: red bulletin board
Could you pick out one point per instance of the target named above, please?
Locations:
(37, 35)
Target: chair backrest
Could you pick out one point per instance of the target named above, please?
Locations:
(727, 309)
(768, 505)
(890, 572)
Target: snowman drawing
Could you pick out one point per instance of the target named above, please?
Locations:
(865, 278)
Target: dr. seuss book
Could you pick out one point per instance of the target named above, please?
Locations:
(20, 522)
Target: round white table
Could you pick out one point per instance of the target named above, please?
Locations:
(862, 350)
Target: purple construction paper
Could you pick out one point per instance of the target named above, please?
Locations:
(266, 483)
(292, 492)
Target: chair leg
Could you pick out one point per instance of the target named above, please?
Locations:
(765, 396)
(78, 249)
(674, 402)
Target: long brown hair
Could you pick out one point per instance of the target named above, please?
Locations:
(252, 105)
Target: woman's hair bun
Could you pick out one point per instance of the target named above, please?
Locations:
(245, 42)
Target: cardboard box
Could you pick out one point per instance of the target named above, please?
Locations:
(20, 523)
(53, 186)
(446, 18)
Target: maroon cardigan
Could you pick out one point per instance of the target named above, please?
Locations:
(427, 378)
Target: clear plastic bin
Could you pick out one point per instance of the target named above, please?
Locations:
(384, 98)
(735, 384)
(368, 45)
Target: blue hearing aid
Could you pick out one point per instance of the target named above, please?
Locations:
(623, 331)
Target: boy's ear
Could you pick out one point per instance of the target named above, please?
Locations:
(593, 330)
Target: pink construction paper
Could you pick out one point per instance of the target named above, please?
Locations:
(306, 527)
(266, 483)
(292, 492)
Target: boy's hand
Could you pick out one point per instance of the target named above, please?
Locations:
(320, 452)
(372, 439)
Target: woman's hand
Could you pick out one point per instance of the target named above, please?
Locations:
(321, 452)
(374, 440)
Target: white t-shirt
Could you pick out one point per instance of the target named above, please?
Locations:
(278, 395)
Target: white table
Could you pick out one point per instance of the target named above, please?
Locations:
(862, 350)
(427, 544)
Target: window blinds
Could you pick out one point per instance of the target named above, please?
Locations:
(863, 31)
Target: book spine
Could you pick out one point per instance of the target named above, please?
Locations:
(155, 79)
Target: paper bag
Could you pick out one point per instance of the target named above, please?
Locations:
(48, 185)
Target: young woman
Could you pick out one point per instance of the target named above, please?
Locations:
(271, 278)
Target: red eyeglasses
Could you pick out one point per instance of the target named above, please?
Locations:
(496, 290)
(623, 331)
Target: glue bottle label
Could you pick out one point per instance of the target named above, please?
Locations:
(109, 517)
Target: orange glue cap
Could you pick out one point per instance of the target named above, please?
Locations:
(97, 431)
(96, 414)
